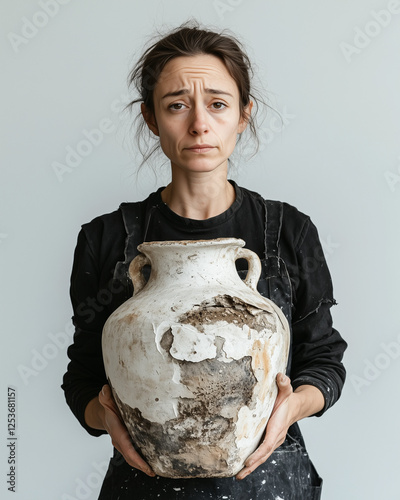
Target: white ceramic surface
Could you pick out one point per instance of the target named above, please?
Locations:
(192, 357)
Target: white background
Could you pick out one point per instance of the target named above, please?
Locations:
(337, 159)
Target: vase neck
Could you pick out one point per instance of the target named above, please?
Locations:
(202, 263)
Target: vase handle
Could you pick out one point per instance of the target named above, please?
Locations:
(254, 271)
(135, 272)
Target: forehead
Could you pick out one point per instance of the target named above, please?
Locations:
(203, 68)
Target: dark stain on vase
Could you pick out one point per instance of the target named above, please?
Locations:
(201, 441)
(182, 447)
(218, 387)
(229, 309)
(196, 443)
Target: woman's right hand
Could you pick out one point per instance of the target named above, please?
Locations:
(113, 424)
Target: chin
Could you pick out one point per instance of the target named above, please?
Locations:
(203, 168)
(202, 165)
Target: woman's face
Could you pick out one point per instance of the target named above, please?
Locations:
(204, 109)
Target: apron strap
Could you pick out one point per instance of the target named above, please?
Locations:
(275, 282)
(273, 226)
(132, 215)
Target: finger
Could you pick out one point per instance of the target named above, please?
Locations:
(107, 401)
(263, 452)
(132, 457)
(265, 449)
(106, 393)
(106, 390)
(124, 445)
(116, 427)
(283, 382)
(285, 389)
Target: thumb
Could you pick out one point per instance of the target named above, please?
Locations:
(106, 398)
(284, 386)
(282, 379)
(106, 390)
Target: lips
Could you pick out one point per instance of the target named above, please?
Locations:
(200, 148)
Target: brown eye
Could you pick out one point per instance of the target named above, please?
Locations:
(171, 106)
(220, 105)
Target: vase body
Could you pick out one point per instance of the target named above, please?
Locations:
(193, 356)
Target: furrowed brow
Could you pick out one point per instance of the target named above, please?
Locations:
(187, 91)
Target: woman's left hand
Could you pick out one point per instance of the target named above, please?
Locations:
(278, 424)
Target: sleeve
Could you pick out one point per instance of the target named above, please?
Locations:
(85, 374)
(318, 348)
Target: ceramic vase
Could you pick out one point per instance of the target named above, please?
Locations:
(192, 357)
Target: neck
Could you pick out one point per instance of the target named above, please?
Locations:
(198, 195)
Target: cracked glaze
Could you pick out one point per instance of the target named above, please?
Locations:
(192, 359)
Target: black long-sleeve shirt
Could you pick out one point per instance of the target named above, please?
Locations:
(317, 348)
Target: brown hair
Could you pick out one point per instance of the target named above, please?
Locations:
(189, 40)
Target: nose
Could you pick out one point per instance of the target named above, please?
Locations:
(198, 124)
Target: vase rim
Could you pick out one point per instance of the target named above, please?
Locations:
(197, 243)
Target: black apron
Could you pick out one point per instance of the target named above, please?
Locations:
(288, 474)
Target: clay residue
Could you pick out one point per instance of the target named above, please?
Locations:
(229, 309)
(219, 388)
(261, 364)
(166, 340)
(183, 447)
(201, 440)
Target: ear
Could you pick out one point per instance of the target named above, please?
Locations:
(150, 119)
(245, 120)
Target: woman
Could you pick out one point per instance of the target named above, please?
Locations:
(195, 97)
